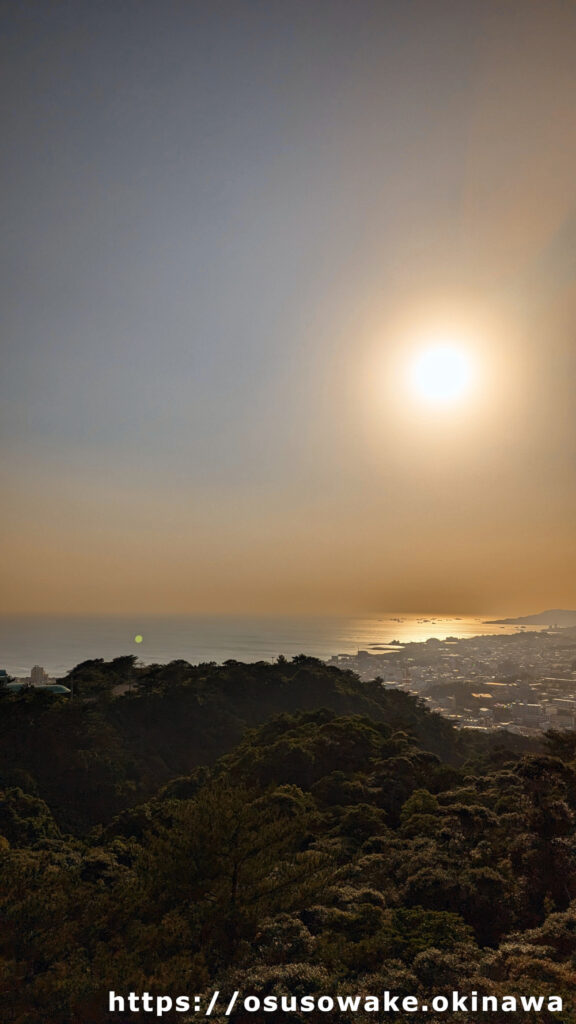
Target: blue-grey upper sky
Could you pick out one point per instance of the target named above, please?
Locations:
(218, 218)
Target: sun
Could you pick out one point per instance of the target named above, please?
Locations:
(442, 373)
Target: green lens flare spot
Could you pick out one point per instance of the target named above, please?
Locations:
(138, 638)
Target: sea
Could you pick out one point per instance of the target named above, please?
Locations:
(58, 644)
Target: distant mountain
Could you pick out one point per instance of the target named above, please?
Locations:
(553, 617)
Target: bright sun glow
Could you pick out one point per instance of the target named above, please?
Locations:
(442, 374)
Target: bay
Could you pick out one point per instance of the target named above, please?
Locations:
(57, 644)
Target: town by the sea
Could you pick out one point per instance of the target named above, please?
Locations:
(57, 644)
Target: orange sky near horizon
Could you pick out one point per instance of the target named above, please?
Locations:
(219, 272)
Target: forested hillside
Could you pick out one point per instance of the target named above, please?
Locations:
(276, 829)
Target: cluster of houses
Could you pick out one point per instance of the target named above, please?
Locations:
(524, 682)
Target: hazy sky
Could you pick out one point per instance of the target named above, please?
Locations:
(225, 226)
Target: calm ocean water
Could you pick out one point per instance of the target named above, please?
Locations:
(60, 643)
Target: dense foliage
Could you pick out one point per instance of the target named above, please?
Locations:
(275, 829)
